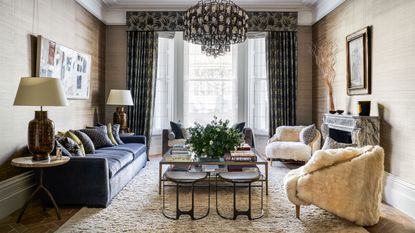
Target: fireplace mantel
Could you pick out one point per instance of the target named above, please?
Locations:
(364, 129)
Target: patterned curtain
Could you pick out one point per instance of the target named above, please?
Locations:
(141, 80)
(282, 78)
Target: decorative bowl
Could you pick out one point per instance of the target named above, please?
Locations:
(332, 112)
(340, 111)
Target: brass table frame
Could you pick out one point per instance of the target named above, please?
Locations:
(260, 161)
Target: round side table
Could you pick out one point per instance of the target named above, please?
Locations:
(27, 162)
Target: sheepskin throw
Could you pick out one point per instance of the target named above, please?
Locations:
(346, 182)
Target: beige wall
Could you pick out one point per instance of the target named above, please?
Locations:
(393, 73)
(115, 63)
(304, 91)
(67, 23)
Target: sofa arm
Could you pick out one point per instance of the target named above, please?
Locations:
(165, 141)
(134, 139)
(316, 143)
(81, 181)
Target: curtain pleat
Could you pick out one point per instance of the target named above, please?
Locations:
(141, 80)
(282, 78)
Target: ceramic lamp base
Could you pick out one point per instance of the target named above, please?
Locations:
(41, 136)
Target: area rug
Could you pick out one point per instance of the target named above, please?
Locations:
(137, 208)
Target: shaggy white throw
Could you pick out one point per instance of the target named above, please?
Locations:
(346, 182)
(137, 208)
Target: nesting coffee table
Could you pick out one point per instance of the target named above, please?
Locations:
(260, 162)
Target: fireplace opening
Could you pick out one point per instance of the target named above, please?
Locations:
(340, 135)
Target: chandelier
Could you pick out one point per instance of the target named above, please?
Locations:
(215, 25)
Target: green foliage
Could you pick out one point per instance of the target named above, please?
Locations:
(214, 139)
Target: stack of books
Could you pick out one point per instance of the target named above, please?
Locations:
(242, 156)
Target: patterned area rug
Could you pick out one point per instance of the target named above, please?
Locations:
(137, 208)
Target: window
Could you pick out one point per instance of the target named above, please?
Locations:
(164, 85)
(210, 86)
(257, 86)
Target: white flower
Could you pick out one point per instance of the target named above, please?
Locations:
(211, 142)
(217, 129)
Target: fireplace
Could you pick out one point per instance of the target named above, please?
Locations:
(359, 130)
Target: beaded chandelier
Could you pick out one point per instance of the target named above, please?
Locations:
(215, 25)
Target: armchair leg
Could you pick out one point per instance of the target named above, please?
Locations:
(297, 211)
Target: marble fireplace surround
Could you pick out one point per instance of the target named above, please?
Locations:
(365, 130)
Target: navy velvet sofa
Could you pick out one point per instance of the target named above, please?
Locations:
(95, 179)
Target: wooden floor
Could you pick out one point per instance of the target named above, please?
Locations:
(36, 220)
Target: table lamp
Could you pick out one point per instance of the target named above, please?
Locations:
(120, 98)
(35, 91)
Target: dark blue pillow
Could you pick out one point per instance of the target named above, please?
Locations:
(239, 126)
(65, 152)
(177, 129)
(71, 146)
(86, 141)
(99, 136)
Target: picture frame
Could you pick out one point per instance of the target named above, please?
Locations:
(73, 68)
(358, 62)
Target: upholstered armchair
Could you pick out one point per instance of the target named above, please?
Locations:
(346, 182)
(285, 144)
(169, 141)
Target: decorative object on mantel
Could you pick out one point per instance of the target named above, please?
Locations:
(358, 62)
(340, 111)
(120, 98)
(71, 67)
(359, 130)
(40, 92)
(364, 108)
(215, 25)
(325, 60)
(213, 140)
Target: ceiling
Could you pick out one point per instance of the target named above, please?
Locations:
(112, 12)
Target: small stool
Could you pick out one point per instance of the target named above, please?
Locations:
(183, 178)
(241, 178)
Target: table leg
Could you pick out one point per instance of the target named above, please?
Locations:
(27, 203)
(160, 171)
(266, 178)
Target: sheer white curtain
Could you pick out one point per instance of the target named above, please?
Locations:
(210, 86)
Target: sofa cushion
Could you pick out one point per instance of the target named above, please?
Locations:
(86, 141)
(177, 129)
(70, 145)
(307, 134)
(117, 159)
(239, 126)
(288, 150)
(135, 148)
(110, 134)
(78, 141)
(288, 133)
(99, 136)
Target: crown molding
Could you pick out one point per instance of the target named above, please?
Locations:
(110, 12)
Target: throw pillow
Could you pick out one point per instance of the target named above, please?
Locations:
(78, 141)
(110, 135)
(99, 136)
(116, 133)
(172, 136)
(307, 134)
(86, 141)
(65, 152)
(177, 129)
(239, 126)
(71, 146)
(330, 143)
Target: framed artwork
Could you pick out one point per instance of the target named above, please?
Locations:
(358, 62)
(71, 67)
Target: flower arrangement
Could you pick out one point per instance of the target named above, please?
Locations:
(214, 139)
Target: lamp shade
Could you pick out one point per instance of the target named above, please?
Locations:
(120, 97)
(35, 91)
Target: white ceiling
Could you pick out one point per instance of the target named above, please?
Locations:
(112, 12)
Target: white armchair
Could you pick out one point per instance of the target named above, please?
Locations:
(346, 182)
(286, 145)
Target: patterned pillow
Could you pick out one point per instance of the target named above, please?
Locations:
(99, 136)
(65, 152)
(78, 141)
(330, 143)
(307, 134)
(71, 146)
(86, 141)
(116, 133)
(110, 135)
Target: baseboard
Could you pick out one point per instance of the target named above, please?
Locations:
(399, 194)
(14, 192)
